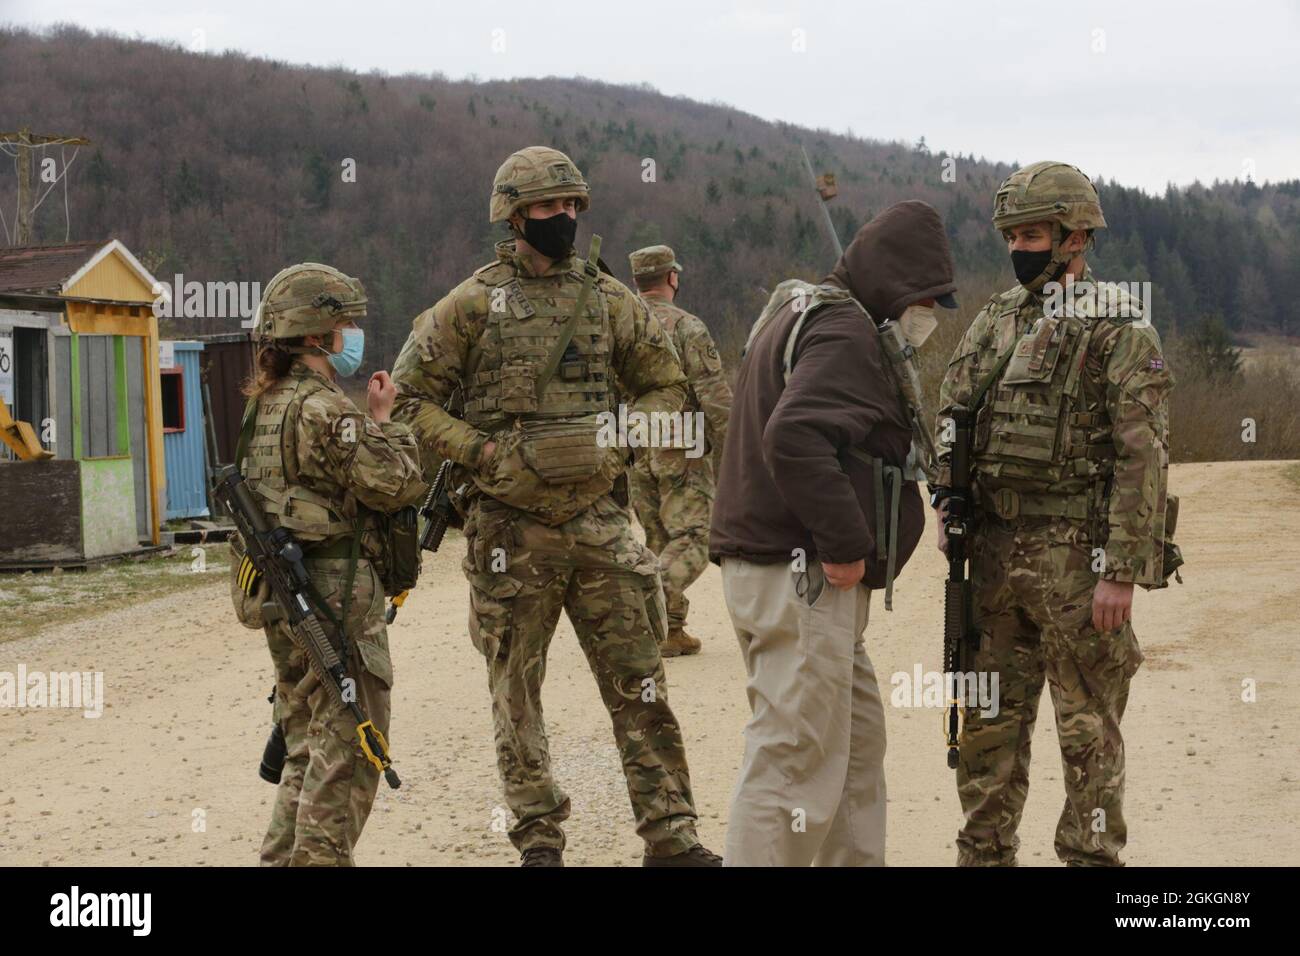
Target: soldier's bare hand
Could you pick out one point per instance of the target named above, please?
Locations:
(1112, 605)
(380, 395)
(844, 576)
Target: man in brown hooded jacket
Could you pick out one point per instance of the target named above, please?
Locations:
(795, 529)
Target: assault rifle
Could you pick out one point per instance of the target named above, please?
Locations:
(959, 638)
(277, 557)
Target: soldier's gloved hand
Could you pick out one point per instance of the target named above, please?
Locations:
(1112, 604)
(941, 516)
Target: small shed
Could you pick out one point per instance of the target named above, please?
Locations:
(184, 431)
(77, 320)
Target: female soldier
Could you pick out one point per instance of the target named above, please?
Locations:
(323, 470)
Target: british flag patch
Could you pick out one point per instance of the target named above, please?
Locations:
(1156, 364)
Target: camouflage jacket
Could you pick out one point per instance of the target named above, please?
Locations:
(707, 388)
(1125, 387)
(343, 455)
(432, 363)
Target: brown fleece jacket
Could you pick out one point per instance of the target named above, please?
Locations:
(785, 481)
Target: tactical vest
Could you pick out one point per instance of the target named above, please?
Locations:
(1042, 437)
(526, 315)
(552, 460)
(271, 468)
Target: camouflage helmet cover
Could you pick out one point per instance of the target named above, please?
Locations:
(653, 260)
(1048, 191)
(535, 174)
(308, 299)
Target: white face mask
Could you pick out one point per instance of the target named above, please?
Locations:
(916, 323)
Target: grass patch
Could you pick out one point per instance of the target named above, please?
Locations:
(1292, 473)
(32, 601)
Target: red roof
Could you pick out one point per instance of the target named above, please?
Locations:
(44, 269)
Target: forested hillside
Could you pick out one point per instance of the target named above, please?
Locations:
(225, 167)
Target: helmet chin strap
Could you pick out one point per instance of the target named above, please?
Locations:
(1059, 262)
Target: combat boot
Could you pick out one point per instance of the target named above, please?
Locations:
(679, 643)
(542, 856)
(695, 856)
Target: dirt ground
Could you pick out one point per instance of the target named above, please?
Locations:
(1211, 778)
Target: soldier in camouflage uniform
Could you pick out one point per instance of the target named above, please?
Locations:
(527, 353)
(672, 488)
(322, 469)
(1069, 470)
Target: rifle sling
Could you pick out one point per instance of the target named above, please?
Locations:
(590, 270)
(978, 395)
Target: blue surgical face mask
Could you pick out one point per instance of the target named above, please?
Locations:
(348, 361)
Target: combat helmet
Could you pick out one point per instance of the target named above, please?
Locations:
(534, 174)
(1056, 192)
(1048, 192)
(308, 299)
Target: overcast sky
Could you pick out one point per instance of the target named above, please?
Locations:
(1144, 92)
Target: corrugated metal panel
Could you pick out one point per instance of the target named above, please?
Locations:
(139, 448)
(97, 399)
(183, 451)
(227, 365)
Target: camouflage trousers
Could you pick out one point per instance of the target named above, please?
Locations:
(673, 496)
(1033, 608)
(521, 574)
(328, 786)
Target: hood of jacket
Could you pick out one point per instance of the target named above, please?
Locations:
(898, 258)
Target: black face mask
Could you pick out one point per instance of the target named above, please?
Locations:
(1033, 269)
(552, 237)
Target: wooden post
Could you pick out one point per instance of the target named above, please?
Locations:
(26, 140)
(23, 229)
(153, 428)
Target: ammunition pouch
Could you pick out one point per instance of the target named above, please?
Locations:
(249, 591)
(552, 470)
(562, 452)
(518, 388)
(1171, 558)
(1009, 504)
(399, 560)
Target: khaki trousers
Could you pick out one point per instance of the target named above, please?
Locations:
(812, 786)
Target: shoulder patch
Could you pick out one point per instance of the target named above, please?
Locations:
(494, 273)
(1007, 299)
